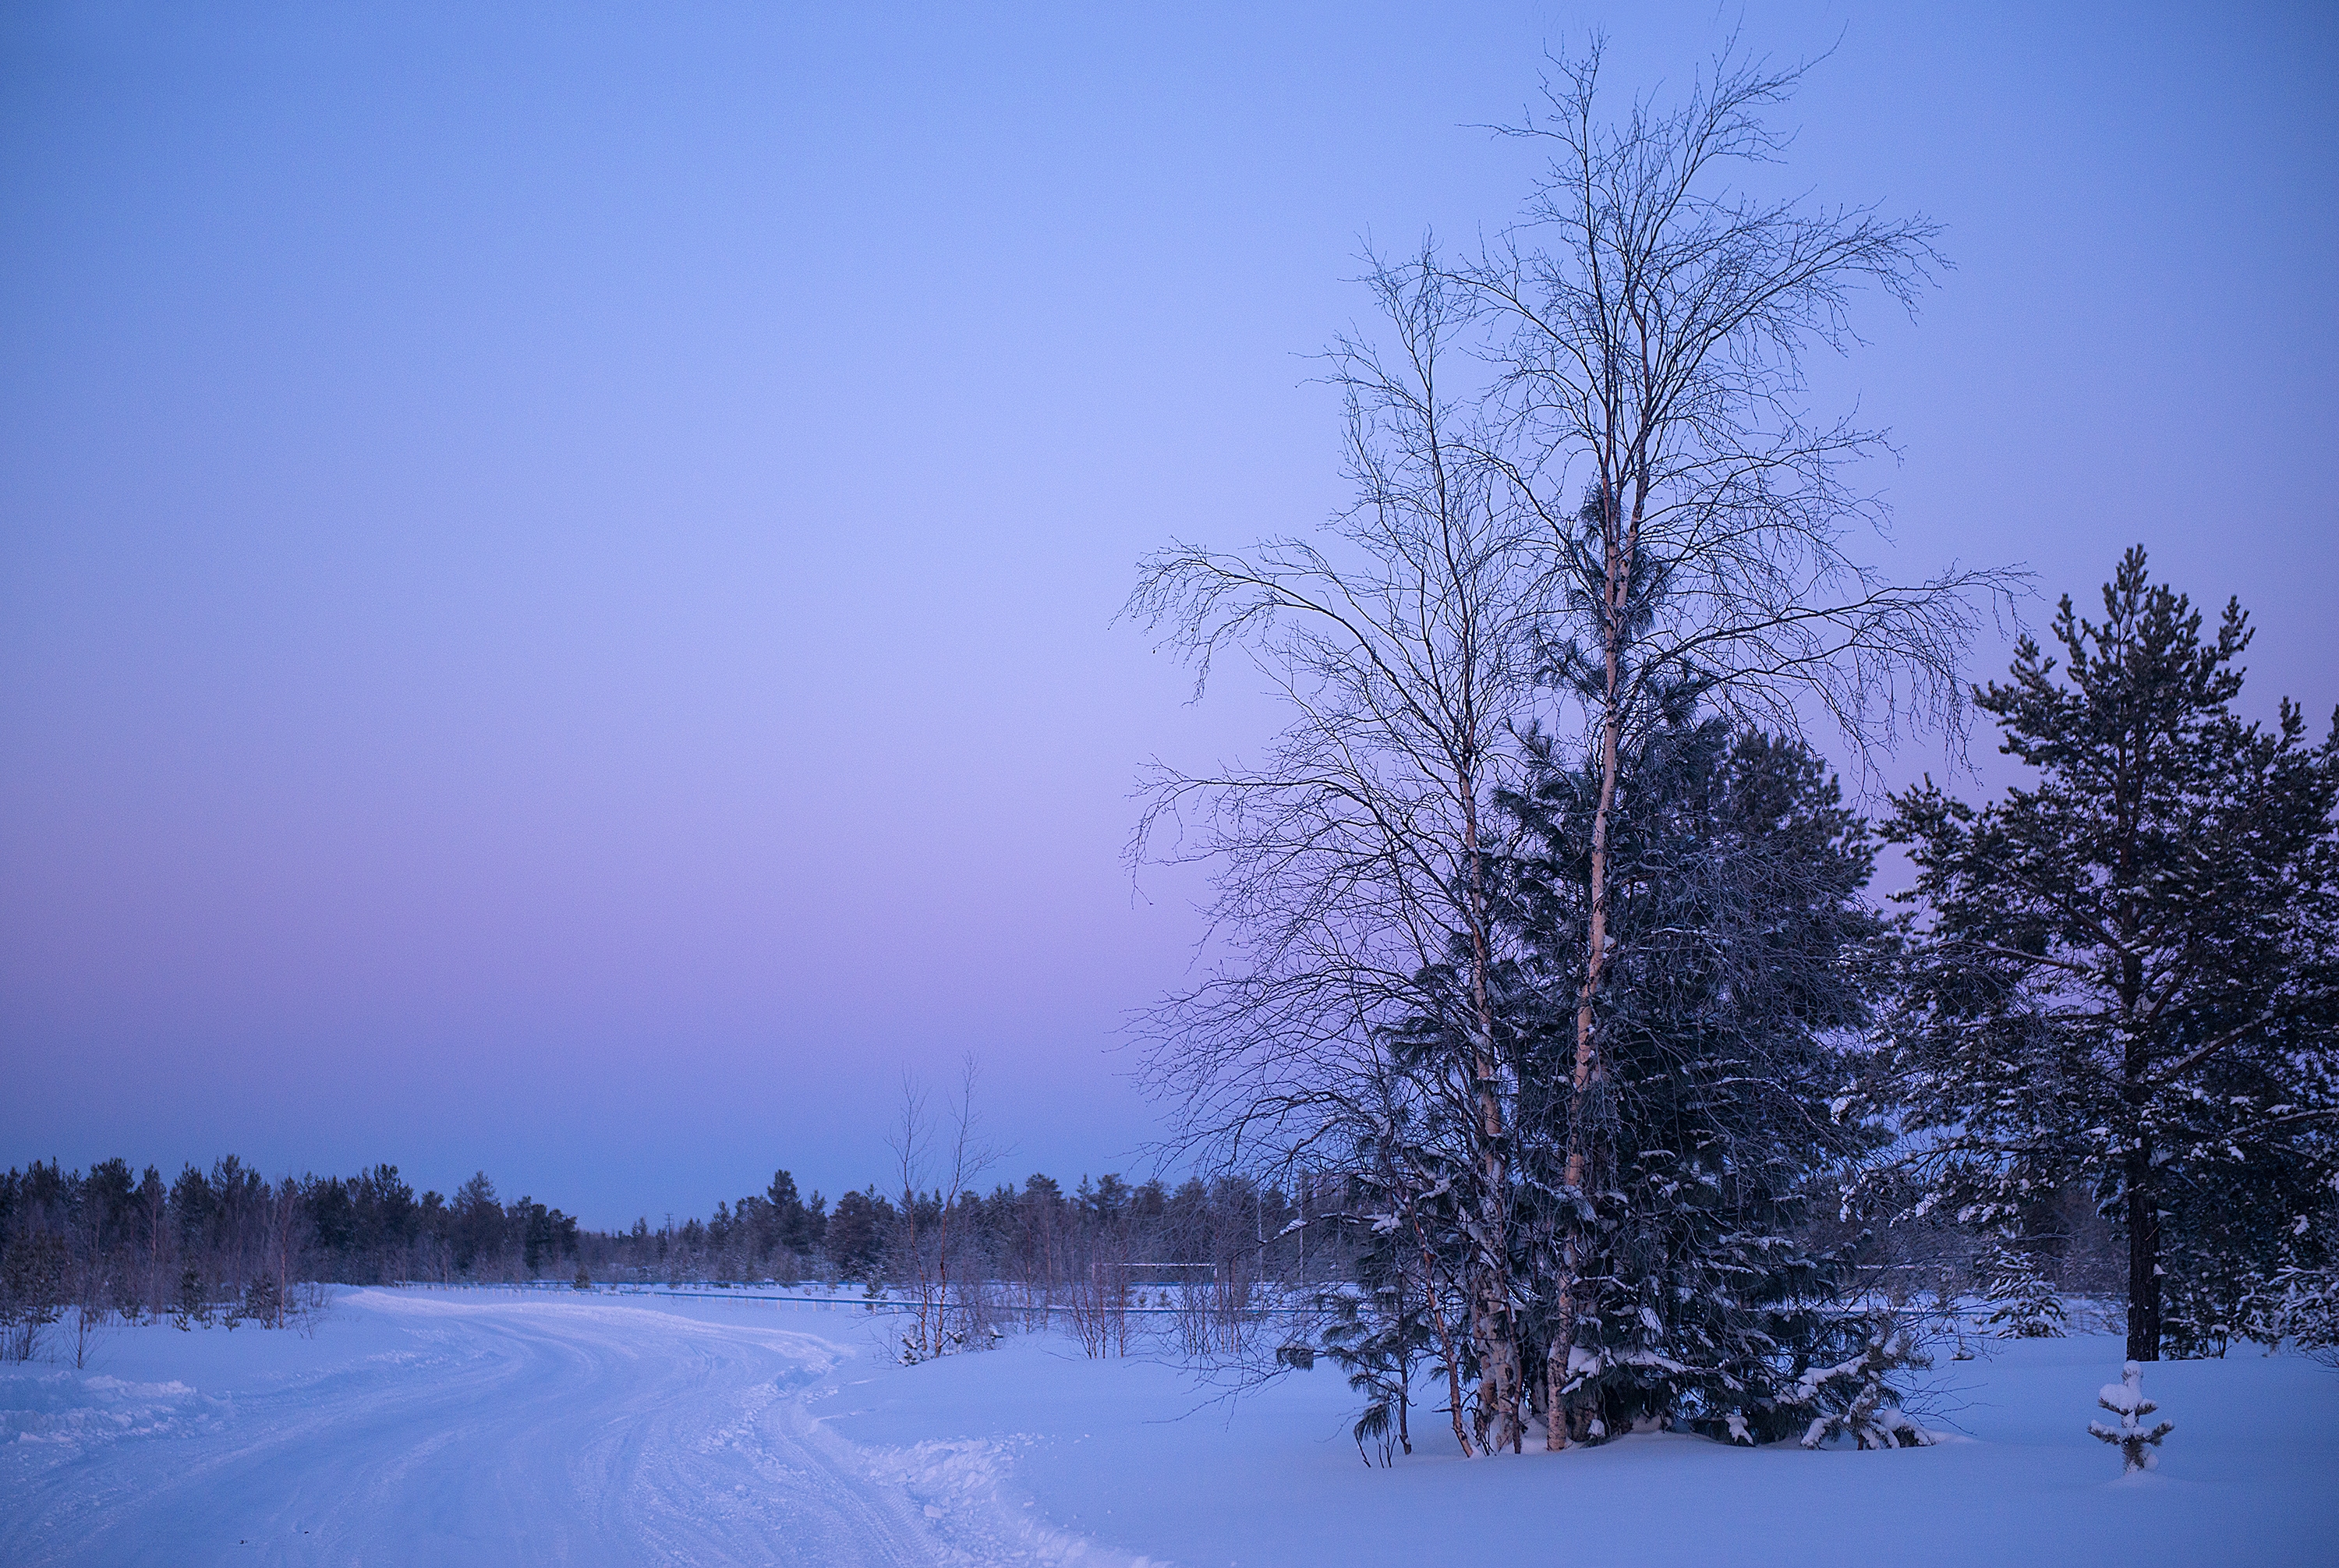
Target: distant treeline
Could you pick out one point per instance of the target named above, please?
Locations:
(207, 1242)
(228, 1244)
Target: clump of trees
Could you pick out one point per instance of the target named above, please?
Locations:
(1505, 901)
(226, 1245)
(229, 1244)
(1545, 926)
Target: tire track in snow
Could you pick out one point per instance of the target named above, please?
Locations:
(562, 1432)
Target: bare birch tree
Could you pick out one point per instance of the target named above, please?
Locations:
(966, 1155)
(1695, 521)
(958, 1155)
(1354, 856)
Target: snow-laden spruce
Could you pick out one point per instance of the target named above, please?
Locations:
(1871, 1416)
(2024, 1304)
(1690, 1302)
(2126, 1400)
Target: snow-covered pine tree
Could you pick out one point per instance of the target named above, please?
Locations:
(1408, 1233)
(1855, 1397)
(2248, 1225)
(2126, 1400)
(2127, 975)
(2302, 1306)
(1742, 958)
(1376, 1336)
(2023, 1303)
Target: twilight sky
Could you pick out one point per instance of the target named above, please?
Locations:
(558, 564)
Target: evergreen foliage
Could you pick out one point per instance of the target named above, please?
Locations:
(2126, 1400)
(220, 1244)
(1855, 1398)
(2024, 1304)
(1378, 1334)
(2125, 971)
(32, 1292)
(1743, 958)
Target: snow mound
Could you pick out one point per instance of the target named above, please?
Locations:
(70, 1411)
(970, 1510)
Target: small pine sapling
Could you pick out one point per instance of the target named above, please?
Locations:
(1377, 1339)
(1855, 1398)
(2126, 1400)
(194, 1304)
(2306, 1312)
(263, 1301)
(2024, 1305)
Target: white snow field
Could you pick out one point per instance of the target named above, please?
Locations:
(423, 1427)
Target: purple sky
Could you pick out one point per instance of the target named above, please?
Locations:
(557, 573)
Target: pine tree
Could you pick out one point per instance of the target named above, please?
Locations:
(193, 1305)
(263, 1301)
(796, 1225)
(2126, 974)
(1409, 1242)
(2126, 1400)
(2024, 1304)
(2250, 1225)
(1743, 960)
(1855, 1397)
(31, 1290)
(1378, 1336)
(2300, 1304)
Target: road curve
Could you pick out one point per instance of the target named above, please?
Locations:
(504, 1432)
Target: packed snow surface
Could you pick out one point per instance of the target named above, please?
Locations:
(489, 1427)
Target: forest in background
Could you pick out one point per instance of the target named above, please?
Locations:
(133, 1243)
(229, 1246)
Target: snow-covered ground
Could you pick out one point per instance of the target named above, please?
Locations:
(485, 1427)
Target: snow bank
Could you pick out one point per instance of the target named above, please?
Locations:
(482, 1427)
(1135, 1456)
(977, 1512)
(70, 1411)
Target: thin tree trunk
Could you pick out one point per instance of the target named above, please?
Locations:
(1492, 1319)
(1587, 1066)
(1445, 1336)
(2143, 1258)
(1596, 963)
(1554, 1376)
(942, 1282)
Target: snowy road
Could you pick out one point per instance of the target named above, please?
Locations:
(480, 1426)
(484, 1431)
